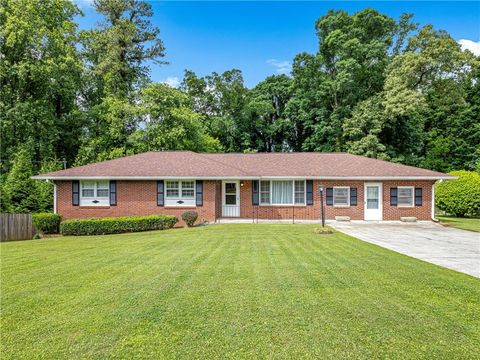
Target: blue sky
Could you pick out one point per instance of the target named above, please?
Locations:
(261, 38)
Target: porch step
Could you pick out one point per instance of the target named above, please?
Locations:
(342, 218)
(408, 219)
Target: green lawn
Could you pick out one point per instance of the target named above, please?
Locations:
(231, 291)
(461, 223)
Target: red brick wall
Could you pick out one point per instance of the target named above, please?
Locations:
(133, 198)
(247, 210)
(139, 198)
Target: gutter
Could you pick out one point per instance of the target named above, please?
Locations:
(364, 178)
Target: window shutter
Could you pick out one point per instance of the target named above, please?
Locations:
(255, 195)
(160, 197)
(113, 193)
(309, 189)
(418, 196)
(393, 197)
(353, 196)
(329, 197)
(75, 192)
(199, 192)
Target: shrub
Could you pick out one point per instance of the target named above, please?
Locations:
(116, 225)
(190, 217)
(460, 197)
(46, 223)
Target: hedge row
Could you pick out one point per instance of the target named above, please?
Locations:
(459, 197)
(116, 225)
(46, 223)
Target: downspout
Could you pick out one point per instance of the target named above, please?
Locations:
(54, 198)
(433, 203)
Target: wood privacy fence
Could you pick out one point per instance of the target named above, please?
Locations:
(16, 227)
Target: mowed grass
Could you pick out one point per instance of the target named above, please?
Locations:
(231, 291)
(461, 223)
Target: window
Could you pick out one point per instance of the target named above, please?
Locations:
(264, 192)
(188, 189)
(299, 192)
(341, 196)
(180, 189)
(282, 192)
(173, 189)
(405, 196)
(94, 193)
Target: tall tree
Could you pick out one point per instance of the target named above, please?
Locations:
(40, 74)
(269, 129)
(221, 99)
(117, 55)
(170, 123)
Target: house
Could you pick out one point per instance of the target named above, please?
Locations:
(245, 186)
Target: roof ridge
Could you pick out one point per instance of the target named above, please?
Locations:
(221, 162)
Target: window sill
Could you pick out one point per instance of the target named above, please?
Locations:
(341, 206)
(281, 205)
(405, 206)
(94, 206)
(180, 206)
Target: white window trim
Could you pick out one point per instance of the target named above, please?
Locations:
(187, 201)
(348, 197)
(88, 200)
(293, 193)
(413, 196)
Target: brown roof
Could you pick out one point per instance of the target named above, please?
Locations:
(171, 164)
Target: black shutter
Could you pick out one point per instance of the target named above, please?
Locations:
(309, 192)
(75, 192)
(160, 197)
(353, 196)
(199, 192)
(113, 193)
(418, 196)
(393, 197)
(329, 197)
(255, 195)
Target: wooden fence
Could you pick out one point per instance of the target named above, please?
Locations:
(16, 227)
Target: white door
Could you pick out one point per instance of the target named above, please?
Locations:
(231, 199)
(373, 201)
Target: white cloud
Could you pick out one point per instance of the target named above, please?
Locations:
(172, 81)
(282, 66)
(473, 46)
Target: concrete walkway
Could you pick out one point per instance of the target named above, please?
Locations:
(445, 246)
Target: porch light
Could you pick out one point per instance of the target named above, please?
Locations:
(241, 183)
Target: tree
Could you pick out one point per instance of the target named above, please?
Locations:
(221, 99)
(351, 60)
(170, 123)
(44, 189)
(269, 129)
(117, 55)
(19, 190)
(40, 74)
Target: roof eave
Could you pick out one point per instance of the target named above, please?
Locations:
(243, 177)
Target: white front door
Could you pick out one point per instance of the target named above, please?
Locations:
(373, 201)
(231, 199)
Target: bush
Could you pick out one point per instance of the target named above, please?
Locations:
(116, 225)
(190, 217)
(46, 223)
(460, 197)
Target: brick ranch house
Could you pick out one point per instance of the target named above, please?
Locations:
(245, 186)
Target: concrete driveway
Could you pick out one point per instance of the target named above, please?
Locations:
(445, 246)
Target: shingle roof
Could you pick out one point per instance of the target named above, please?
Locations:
(187, 164)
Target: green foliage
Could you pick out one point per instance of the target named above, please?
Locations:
(116, 225)
(459, 197)
(376, 86)
(47, 223)
(18, 191)
(190, 217)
